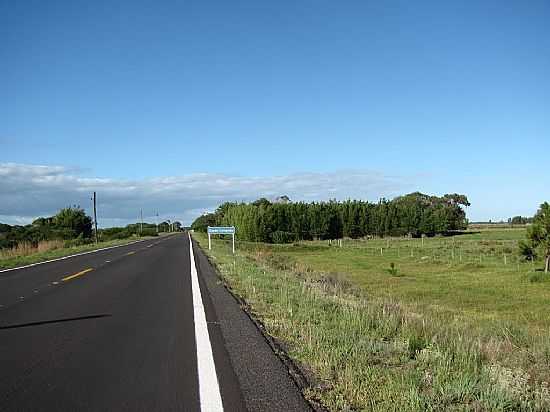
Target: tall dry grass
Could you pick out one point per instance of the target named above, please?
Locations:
(28, 248)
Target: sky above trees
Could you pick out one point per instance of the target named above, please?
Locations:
(178, 107)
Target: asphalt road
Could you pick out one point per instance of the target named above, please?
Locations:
(133, 328)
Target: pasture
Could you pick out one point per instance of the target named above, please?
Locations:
(444, 323)
(477, 278)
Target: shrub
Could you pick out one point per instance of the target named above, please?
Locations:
(527, 250)
(280, 236)
(79, 241)
(393, 270)
(537, 277)
(115, 233)
(149, 232)
(415, 343)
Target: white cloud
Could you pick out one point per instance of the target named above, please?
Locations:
(29, 191)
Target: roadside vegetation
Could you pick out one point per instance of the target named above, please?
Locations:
(436, 334)
(406, 324)
(68, 232)
(413, 215)
(538, 237)
(51, 249)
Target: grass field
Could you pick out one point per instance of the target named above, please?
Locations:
(464, 276)
(458, 323)
(7, 260)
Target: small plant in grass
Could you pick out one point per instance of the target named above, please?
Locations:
(537, 277)
(393, 270)
(415, 344)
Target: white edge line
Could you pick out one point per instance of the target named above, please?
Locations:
(209, 390)
(71, 256)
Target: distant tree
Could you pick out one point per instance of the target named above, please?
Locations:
(43, 221)
(456, 199)
(282, 199)
(262, 202)
(538, 236)
(72, 222)
(164, 226)
(221, 211)
(202, 222)
(520, 220)
(116, 232)
(516, 220)
(414, 214)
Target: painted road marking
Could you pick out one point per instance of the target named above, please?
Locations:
(209, 390)
(55, 283)
(130, 253)
(76, 274)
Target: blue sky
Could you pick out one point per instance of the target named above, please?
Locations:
(180, 105)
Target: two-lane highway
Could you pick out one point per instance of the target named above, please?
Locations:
(121, 329)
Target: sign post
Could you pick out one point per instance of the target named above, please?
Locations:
(220, 230)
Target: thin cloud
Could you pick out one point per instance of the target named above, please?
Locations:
(29, 191)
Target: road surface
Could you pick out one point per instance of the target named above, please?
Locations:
(133, 328)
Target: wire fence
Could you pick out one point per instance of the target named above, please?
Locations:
(502, 252)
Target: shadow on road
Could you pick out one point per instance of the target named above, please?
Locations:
(45, 322)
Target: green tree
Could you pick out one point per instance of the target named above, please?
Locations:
(262, 202)
(202, 222)
(413, 214)
(72, 222)
(538, 236)
(520, 220)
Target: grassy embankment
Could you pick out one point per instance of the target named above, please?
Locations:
(451, 328)
(50, 249)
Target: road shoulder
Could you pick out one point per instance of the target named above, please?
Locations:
(264, 381)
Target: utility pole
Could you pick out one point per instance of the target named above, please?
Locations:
(95, 219)
(141, 227)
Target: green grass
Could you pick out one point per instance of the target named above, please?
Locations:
(12, 262)
(444, 332)
(474, 287)
(515, 233)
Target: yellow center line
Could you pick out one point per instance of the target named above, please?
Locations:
(130, 253)
(76, 274)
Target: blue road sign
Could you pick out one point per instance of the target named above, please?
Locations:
(221, 230)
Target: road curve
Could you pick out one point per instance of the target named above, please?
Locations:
(118, 330)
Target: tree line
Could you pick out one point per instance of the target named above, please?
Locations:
(72, 225)
(68, 224)
(414, 215)
(520, 220)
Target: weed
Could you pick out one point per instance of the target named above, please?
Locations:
(29, 248)
(26, 253)
(538, 277)
(393, 270)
